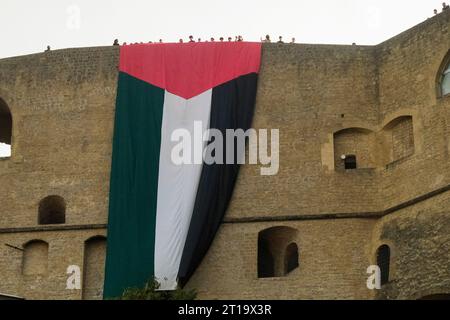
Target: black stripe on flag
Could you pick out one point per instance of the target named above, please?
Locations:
(232, 107)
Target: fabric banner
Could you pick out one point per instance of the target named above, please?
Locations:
(163, 215)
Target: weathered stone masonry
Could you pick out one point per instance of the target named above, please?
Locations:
(379, 103)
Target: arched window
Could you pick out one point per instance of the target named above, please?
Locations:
(383, 261)
(445, 85)
(291, 258)
(94, 268)
(5, 130)
(52, 210)
(277, 252)
(35, 258)
(444, 77)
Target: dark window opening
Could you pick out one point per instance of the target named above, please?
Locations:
(291, 258)
(383, 261)
(350, 162)
(266, 267)
(52, 210)
(5, 130)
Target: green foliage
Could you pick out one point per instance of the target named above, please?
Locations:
(150, 292)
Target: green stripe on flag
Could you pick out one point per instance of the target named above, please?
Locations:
(133, 185)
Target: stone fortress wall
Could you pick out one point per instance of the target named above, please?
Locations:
(381, 104)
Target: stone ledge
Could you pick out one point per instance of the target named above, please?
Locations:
(53, 228)
(348, 215)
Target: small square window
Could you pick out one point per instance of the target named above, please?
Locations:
(350, 162)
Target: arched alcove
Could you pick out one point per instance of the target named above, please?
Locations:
(94, 268)
(35, 258)
(52, 210)
(398, 139)
(354, 149)
(277, 252)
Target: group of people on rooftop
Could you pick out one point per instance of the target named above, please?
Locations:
(266, 39)
(445, 6)
(239, 38)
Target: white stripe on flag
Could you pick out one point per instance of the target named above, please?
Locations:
(177, 185)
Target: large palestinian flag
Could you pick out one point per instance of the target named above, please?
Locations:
(163, 215)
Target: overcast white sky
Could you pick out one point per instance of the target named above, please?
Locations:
(5, 150)
(28, 26)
